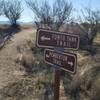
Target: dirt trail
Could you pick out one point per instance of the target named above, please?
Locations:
(9, 70)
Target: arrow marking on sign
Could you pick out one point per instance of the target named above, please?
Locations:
(47, 56)
(43, 38)
(70, 63)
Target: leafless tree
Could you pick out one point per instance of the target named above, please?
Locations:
(1, 7)
(52, 17)
(91, 22)
(12, 10)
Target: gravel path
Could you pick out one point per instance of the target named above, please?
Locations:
(9, 70)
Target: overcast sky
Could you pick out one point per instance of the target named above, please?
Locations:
(28, 16)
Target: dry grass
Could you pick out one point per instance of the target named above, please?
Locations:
(85, 84)
(38, 82)
(97, 39)
(29, 88)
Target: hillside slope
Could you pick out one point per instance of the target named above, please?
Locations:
(9, 70)
(20, 56)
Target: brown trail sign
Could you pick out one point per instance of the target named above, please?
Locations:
(51, 39)
(65, 61)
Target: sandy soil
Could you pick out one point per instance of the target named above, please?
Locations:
(9, 70)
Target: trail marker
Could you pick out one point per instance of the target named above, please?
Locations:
(52, 39)
(65, 61)
(62, 61)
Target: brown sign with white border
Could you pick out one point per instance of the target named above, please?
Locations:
(65, 61)
(50, 39)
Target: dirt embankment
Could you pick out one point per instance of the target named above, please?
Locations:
(9, 69)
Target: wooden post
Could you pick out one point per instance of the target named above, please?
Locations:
(57, 84)
(57, 77)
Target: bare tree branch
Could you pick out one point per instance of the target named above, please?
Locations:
(91, 22)
(12, 10)
(1, 7)
(53, 16)
(62, 12)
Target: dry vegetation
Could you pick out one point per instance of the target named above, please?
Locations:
(23, 73)
(36, 83)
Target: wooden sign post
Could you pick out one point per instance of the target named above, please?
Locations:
(57, 77)
(57, 84)
(60, 60)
